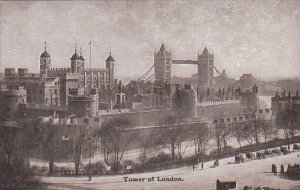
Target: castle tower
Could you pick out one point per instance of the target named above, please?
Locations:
(81, 58)
(45, 62)
(77, 62)
(110, 67)
(205, 69)
(162, 65)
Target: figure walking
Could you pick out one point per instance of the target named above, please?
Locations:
(202, 165)
(282, 169)
(193, 167)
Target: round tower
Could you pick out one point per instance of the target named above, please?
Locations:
(45, 62)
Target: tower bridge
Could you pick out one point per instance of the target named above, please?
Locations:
(163, 67)
(205, 62)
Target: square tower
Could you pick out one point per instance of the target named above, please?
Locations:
(205, 69)
(162, 65)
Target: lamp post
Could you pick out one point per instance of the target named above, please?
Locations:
(90, 138)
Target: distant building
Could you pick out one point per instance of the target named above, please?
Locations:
(45, 91)
(247, 81)
(286, 101)
(83, 80)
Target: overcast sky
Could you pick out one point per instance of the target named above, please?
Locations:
(258, 37)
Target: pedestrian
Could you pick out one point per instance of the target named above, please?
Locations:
(282, 169)
(202, 165)
(193, 167)
(275, 170)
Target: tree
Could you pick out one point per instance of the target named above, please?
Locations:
(114, 141)
(200, 137)
(267, 130)
(16, 176)
(180, 140)
(145, 153)
(226, 133)
(238, 132)
(247, 132)
(287, 120)
(14, 172)
(170, 134)
(80, 140)
(217, 133)
(46, 133)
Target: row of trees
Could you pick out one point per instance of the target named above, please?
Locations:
(250, 132)
(114, 139)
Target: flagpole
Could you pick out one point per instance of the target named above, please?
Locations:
(90, 54)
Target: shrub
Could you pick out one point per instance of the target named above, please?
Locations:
(15, 176)
(162, 157)
(97, 168)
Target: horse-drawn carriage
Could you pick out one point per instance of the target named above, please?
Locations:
(261, 155)
(239, 159)
(276, 152)
(250, 156)
(284, 150)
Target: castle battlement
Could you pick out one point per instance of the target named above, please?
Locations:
(213, 103)
(59, 70)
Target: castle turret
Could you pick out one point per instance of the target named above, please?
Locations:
(45, 62)
(77, 62)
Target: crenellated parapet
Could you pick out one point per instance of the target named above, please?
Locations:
(53, 71)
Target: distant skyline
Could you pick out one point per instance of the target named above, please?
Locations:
(257, 37)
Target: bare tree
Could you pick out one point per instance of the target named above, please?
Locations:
(114, 141)
(80, 139)
(247, 132)
(256, 130)
(46, 133)
(238, 132)
(143, 157)
(182, 137)
(217, 133)
(226, 133)
(267, 130)
(287, 120)
(170, 134)
(200, 137)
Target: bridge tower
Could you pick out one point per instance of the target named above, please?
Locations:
(205, 69)
(162, 65)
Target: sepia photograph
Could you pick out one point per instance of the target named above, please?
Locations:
(150, 95)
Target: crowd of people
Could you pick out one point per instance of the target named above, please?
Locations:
(292, 172)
